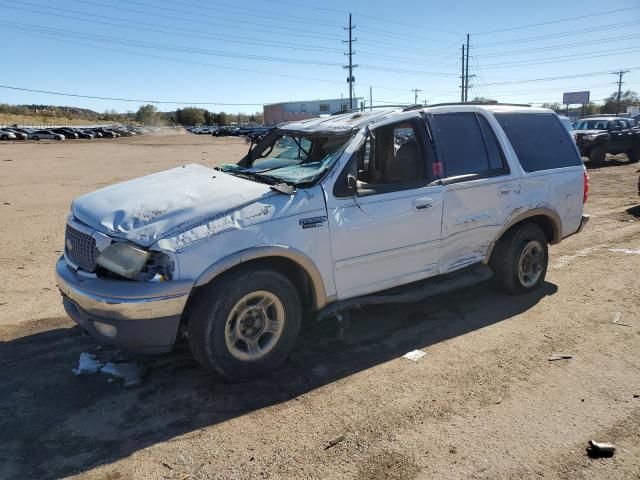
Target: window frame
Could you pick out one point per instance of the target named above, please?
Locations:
(467, 177)
(425, 149)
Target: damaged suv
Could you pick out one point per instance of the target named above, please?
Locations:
(321, 216)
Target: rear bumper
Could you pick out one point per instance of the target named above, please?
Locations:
(583, 222)
(140, 317)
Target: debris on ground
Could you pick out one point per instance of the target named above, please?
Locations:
(334, 442)
(559, 356)
(88, 364)
(414, 355)
(499, 401)
(600, 449)
(616, 320)
(131, 373)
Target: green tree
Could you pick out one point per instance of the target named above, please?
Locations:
(627, 99)
(190, 116)
(221, 118)
(147, 115)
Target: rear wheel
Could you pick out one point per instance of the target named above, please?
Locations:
(520, 259)
(245, 323)
(634, 154)
(597, 155)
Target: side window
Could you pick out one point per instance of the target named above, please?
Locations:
(392, 158)
(539, 140)
(468, 145)
(497, 161)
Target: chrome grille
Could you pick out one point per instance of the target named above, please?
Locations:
(81, 248)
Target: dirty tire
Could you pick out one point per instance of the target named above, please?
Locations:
(597, 155)
(507, 255)
(209, 319)
(634, 154)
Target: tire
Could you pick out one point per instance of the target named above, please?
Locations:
(516, 266)
(597, 155)
(36, 138)
(4, 137)
(634, 154)
(226, 312)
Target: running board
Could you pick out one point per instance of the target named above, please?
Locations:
(414, 292)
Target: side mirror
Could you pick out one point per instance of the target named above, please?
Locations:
(352, 184)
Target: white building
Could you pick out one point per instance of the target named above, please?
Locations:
(290, 111)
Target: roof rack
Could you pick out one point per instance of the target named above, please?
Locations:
(492, 102)
(417, 106)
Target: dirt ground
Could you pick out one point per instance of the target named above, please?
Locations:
(483, 403)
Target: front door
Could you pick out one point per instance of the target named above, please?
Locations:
(387, 232)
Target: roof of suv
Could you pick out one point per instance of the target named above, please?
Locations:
(347, 122)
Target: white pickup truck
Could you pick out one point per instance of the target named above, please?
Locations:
(321, 216)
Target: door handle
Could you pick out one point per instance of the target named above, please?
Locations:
(507, 189)
(423, 203)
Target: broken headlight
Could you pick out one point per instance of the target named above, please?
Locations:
(123, 259)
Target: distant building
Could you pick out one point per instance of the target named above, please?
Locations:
(290, 111)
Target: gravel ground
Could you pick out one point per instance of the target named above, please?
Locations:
(483, 403)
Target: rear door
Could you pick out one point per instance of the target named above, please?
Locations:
(388, 232)
(479, 190)
(620, 137)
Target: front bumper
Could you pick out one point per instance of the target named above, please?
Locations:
(140, 317)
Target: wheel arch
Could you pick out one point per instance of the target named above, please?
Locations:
(296, 265)
(548, 220)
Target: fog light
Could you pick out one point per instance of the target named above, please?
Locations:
(105, 329)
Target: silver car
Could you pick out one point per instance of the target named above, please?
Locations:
(7, 135)
(45, 135)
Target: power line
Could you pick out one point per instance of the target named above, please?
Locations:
(568, 19)
(563, 58)
(166, 30)
(567, 33)
(115, 99)
(562, 77)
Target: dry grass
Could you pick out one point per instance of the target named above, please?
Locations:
(43, 120)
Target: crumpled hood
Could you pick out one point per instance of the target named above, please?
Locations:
(148, 208)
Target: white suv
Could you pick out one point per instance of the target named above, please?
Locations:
(321, 216)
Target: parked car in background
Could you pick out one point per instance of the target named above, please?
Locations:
(601, 135)
(18, 133)
(7, 135)
(67, 132)
(106, 133)
(45, 135)
(84, 133)
(321, 216)
(94, 132)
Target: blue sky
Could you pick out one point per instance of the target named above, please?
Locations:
(248, 53)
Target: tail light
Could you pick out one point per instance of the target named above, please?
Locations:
(585, 195)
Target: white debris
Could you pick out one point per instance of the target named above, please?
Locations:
(88, 364)
(131, 373)
(565, 260)
(414, 355)
(630, 251)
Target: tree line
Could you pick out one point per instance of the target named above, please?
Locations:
(149, 115)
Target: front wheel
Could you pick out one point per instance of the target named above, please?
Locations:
(634, 154)
(36, 138)
(520, 259)
(245, 323)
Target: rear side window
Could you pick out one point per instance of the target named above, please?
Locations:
(468, 145)
(539, 140)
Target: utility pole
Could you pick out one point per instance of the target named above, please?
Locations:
(370, 98)
(462, 77)
(415, 98)
(620, 82)
(351, 66)
(466, 73)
